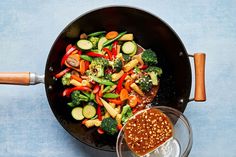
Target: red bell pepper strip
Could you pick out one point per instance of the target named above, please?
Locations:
(98, 100)
(68, 91)
(86, 65)
(115, 101)
(69, 50)
(60, 74)
(120, 82)
(100, 131)
(94, 54)
(114, 49)
(99, 113)
(108, 52)
(144, 67)
(96, 89)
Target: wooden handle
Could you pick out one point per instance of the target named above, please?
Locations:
(16, 78)
(199, 62)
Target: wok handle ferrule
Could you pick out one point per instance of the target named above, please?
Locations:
(199, 63)
(20, 78)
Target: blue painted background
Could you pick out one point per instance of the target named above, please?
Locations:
(28, 29)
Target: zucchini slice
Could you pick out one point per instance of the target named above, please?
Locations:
(129, 47)
(84, 44)
(77, 113)
(89, 111)
(101, 41)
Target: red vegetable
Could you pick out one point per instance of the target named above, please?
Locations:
(108, 52)
(119, 126)
(96, 89)
(69, 50)
(86, 65)
(120, 82)
(114, 49)
(144, 67)
(60, 74)
(115, 101)
(94, 54)
(100, 131)
(98, 100)
(68, 91)
(99, 113)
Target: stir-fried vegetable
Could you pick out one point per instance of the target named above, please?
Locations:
(105, 76)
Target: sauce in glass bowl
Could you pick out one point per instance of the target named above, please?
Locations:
(147, 131)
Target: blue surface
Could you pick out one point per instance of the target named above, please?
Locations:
(28, 29)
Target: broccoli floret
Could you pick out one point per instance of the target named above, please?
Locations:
(109, 125)
(76, 98)
(145, 83)
(149, 57)
(126, 57)
(117, 66)
(97, 66)
(126, 113)
(154, 73)
(66, 79)
(94, 41)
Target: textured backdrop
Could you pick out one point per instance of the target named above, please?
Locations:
(28, 29)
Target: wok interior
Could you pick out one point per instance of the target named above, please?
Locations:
(150, 32)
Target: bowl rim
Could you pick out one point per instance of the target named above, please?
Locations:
(172, 110)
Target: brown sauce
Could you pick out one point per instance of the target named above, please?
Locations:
(147, 130)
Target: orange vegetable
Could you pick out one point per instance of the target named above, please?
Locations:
(111, 34)
(98, 99)
(100, 94)
(127, 84)
(82, 67)
(119, 126)
(132, 101)
(76, 77)
(116, 101)
(124, 95)
(84, 121)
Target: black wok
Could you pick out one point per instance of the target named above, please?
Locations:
(150, 32)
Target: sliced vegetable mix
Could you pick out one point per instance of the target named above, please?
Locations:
(106, 78)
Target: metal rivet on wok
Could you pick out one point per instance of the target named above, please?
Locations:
(180, 53)
(181, 100)
(50, 87)
(50, 69)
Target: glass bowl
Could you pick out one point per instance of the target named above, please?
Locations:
(177, 146)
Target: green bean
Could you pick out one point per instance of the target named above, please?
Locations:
(110, 95)
(96, 33)
(102, 81)
(87, 58)
(110, 41)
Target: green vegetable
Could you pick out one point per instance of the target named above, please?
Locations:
(145, 83)
(89, 111)
(111, 41)
(77, 113)
(87, 58)
(149, 57)
(108, 77)
(76, 98)
(94, 41)
(96, 33)
(106, 89)
(102, 81)
(66, 79)
(154, 72)
(101, 41)
(97, 66)
(109, 125)
(111, 95)
(84, 44)
(136, 70)
(126, 57)
(129, 47)
(117, 65)
(126, 113)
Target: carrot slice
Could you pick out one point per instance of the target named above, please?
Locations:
(119, 126)
(111, 34)
(76, 77)
(82, 67)
(132, 101)
(124, 95)
(127, 84)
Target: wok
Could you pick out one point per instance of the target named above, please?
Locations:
(150, 32)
